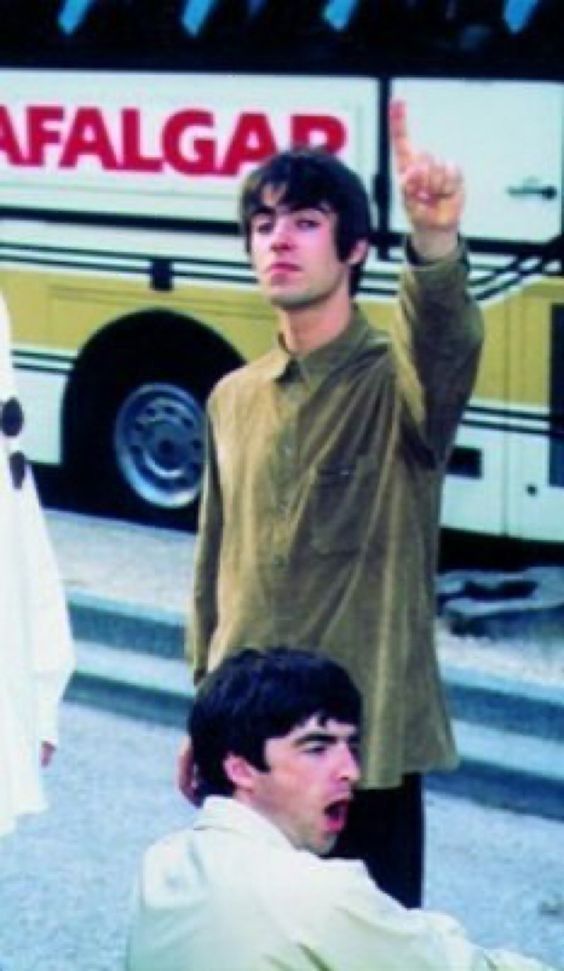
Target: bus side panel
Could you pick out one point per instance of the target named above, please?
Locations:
(474, 496)
(535, 499)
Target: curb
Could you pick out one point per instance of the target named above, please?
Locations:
(151, 630)
(519, 707)
(491, 784)
(125, 697)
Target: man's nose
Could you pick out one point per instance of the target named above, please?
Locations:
(348, 765)
(281, 235)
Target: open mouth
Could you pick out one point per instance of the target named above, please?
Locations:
(337, 813)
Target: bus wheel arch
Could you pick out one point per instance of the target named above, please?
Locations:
(133, 417)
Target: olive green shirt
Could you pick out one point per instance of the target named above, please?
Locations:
(319, 518)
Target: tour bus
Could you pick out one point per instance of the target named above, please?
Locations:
(125, 131)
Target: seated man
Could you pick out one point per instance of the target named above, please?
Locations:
(276, 739)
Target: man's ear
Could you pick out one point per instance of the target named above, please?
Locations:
(358, 253)
(240, 773)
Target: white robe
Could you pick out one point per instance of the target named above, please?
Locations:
(36, 653)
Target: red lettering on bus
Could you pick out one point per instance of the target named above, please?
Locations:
(189, 139)
(89, 137)
(252, 141)
(43, 129)
(133, 158)
(202, 160)
(8, 141)
(306, 130)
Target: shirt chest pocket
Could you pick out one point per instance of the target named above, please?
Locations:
(342, 497)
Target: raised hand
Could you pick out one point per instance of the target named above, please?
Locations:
(432, 191)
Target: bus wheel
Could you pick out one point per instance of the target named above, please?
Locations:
(158, 444)
(133, 420)
(136, 451)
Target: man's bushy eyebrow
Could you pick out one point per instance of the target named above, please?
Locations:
(265, 210)
(321, 735)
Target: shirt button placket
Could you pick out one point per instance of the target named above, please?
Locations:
(287, 473)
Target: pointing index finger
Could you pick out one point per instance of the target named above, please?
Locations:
(399, 137)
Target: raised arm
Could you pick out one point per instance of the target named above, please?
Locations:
(439, 329)
(432, 191)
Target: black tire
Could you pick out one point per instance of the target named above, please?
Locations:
(134, 432)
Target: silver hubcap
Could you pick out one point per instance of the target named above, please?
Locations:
(158, 441)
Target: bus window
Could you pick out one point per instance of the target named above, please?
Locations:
(518, 13)
(72, 14)
(538, 39)
(477, 26)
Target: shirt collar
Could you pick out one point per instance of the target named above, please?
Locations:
(314, 367)
(221, 812)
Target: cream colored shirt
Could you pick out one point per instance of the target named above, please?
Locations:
(233, 894)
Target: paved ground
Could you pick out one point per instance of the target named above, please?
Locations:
(122, 561)
(67, 875)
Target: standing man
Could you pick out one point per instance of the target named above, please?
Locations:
(326, 457)
(36, 655)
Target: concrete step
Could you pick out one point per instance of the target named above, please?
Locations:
(119, 624)
(518, 769)
(132, 683)
(523, 773)
(523, 707)
(510, 736)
